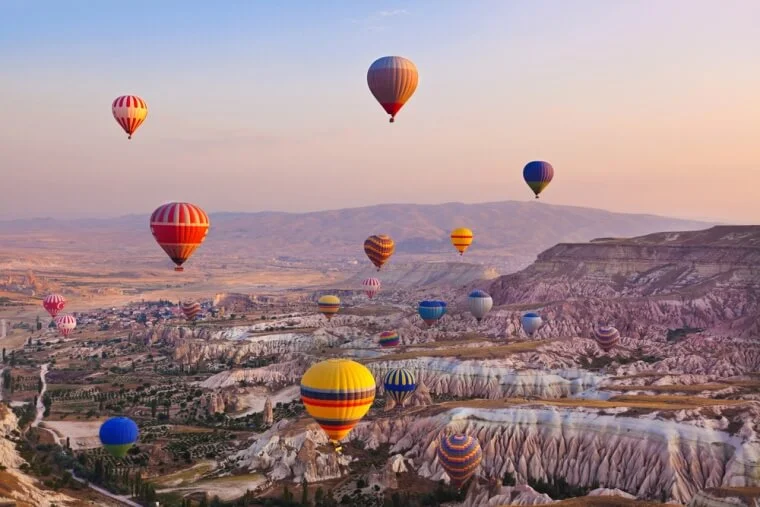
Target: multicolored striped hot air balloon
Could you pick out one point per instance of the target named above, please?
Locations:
(179, 228)
(431, 311)
(606, 337)
(531, 322)
(371, 286)
(191, 309)
(65, 324)
(118, 435)
(480, 303)
(130, 112)
(392, 80)
(53, 303)
(329, 306)
(538, 175)
(379, 249)
(389, 339)
(337, 393)
(461, 238)
(399, 384)
(460, 456)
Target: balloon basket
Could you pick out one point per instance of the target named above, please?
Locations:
(179, 268)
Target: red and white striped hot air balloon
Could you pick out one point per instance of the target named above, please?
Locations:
(371, 286)
(191, 309)
(53, 303)
(392, 80)
(65, 324)
(179, 228)
(130, 112)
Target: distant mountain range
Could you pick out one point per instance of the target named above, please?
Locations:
(516, 231)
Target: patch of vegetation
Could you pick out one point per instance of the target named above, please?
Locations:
(559, 489)
(676, 335)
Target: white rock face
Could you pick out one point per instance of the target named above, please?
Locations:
(506, 495)
(713, 498)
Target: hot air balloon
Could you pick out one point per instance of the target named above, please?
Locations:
(329, 306)
(179, 228)
(379, 249)
(399, 384)
(53, 303)
(606, 337)
(538, 175)
(337, 393)
(130, 112)
(118, 435)
(392, 80)
(65, 324)
(371, 286)
(191, 309)
(431, 311)
(460, 456)
(480, 303)
(461, 238)
(389, 339)
(531, 322)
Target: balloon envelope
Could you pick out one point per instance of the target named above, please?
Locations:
(65, 324)
(531, 322)
(371, 286)
(53, 303)
(329, 306)
(392, 80)
(337, 393)
(461, 238)
(179, 228)
(118, 434)
(480, 303)
(389, 339)
(538, 175)
(399, 383)
(460, 456)
(431, 311)
(191, 309)
(606, 337)
(130, 112)
(379, 249)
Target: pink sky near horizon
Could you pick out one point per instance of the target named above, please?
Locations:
(640, 107)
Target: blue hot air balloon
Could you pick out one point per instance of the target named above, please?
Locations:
(399, 383)
(531, 322)
(431, 311)
(538, 175)
(118, 434)
(480, 303)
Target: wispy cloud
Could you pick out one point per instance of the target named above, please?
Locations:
(375, 22)
(394, 12)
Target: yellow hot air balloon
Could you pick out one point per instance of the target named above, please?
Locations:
(461, 238)
(337, 393)
(329, 306)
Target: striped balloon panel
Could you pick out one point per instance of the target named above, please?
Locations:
(606, 337)
(399, 384)
(431, 311)
(392, 80)
(371, 286)
(531, 323)
(538, 175)
(66, 324)
(191, 309)
(179, 228)
(461, 238)
(480, 305)
(130, 112)
(337, 393)
(53, 303)
(379, 249)
(329, 306)
(389, 339)
(460, 456)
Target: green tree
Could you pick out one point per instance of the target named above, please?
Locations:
(304, 491)
(38, 323)
(153, 407)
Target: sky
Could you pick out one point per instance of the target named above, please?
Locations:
(640, 106)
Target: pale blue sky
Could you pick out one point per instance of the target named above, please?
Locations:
(641, 106)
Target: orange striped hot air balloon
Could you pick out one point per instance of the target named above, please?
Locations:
(379, 249)
(392, 80)
(329, 306)
(130, 112)
(191, 309)
(461, 238)
(179, 228)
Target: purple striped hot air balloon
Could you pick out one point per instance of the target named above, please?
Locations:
(538, 174)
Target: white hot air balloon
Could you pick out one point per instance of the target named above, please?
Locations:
(480, 303)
